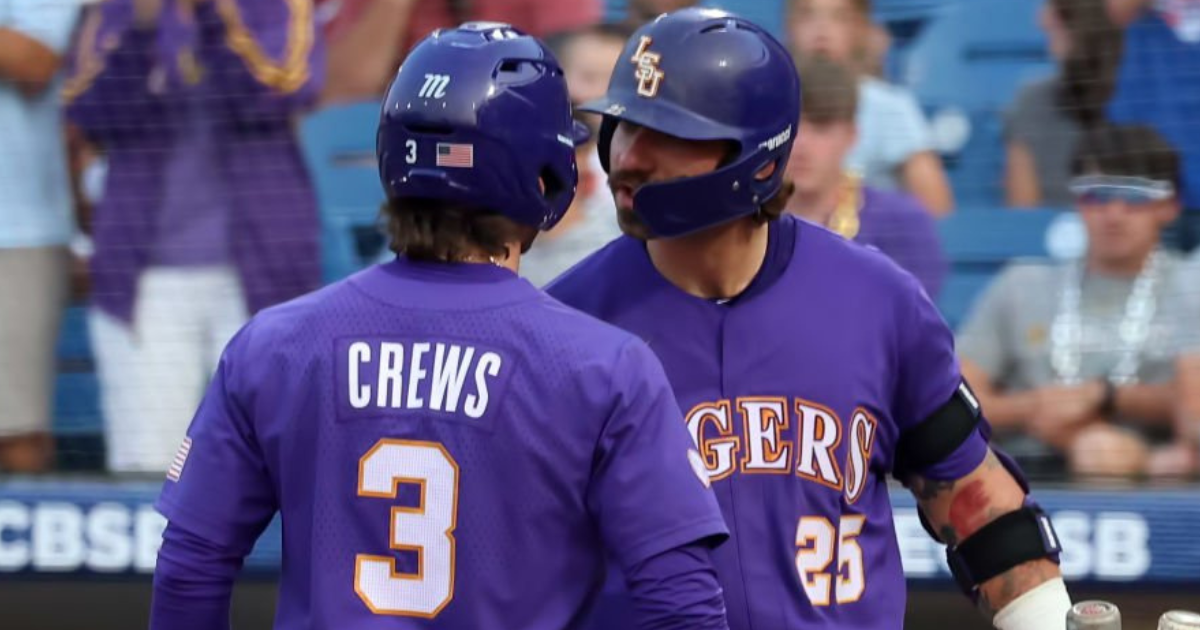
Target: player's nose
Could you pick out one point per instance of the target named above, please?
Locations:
(632, 149)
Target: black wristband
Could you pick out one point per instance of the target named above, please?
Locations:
(1108, 403)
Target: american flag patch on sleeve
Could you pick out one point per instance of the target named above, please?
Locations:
(181, 456)
(455, 155)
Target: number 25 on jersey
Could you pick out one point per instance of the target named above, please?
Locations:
(815, 539)
(427, 529)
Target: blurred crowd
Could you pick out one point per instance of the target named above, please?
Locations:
(151, 167)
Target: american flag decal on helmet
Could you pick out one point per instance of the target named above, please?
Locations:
(454, 155)
(181, 456)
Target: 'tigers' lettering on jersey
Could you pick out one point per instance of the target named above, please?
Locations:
(769, 444)
(421, 375)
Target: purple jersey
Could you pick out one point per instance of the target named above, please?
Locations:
(448, 448)
(795, 393)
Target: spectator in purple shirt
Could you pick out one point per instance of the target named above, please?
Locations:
(207, 214)
(892, 222)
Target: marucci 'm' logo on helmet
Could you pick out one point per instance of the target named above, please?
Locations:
(648, 74)
(434, 86)
(778, 140)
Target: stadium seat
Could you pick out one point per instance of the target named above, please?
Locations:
(979, 243)
(893, 10)
(965, 68)
(339, 147)
(977, 54)
(614, 10)
(904, 21)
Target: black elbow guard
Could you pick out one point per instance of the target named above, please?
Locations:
(1015, 538)
(939, 435)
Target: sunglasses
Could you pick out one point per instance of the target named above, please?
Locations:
(1103, 189)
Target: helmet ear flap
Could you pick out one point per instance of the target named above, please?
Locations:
(608, 127)
(551, 183)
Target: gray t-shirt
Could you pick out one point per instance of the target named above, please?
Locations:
(1007, 334)
(1036, 121)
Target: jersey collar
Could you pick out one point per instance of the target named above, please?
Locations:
(445, 286)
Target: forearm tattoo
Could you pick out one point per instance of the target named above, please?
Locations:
(973, 504)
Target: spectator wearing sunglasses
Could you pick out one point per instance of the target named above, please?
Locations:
(1079, 363)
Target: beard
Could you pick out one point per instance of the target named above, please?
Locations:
(632, 225)
(630, 222)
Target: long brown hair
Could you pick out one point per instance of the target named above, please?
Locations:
(1089, 71)
(434, 230)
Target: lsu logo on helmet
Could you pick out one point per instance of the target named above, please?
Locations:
(648, 74)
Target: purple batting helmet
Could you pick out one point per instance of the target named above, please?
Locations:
(706, 74)
(479, 115)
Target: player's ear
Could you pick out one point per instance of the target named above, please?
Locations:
(767, 171)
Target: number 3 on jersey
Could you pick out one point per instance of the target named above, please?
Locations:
(427, 528)
(815, 536)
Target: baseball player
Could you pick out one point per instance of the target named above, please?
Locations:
(809, 367)
(448, 447)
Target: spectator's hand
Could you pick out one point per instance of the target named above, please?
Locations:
(145, 13)
(1103, 450)
(1063, 410)
(1180, 459)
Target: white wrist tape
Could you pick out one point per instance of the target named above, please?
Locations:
(1042, 608)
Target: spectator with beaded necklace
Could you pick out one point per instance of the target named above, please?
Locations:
(1090, 377)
